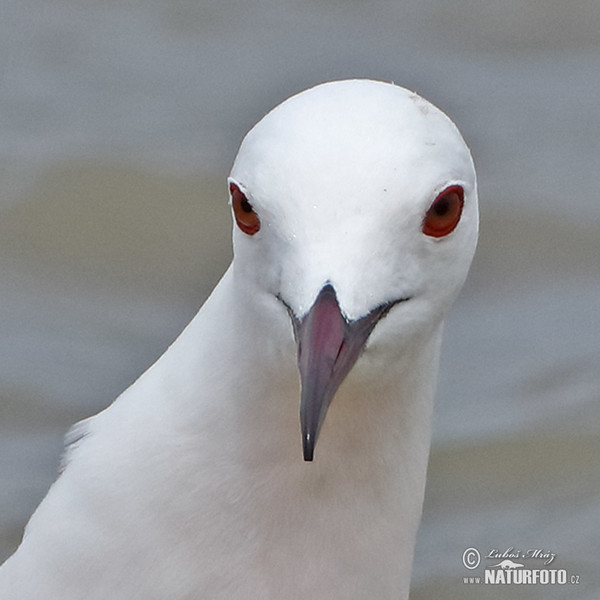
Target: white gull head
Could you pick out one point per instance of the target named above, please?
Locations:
(338, 182)
(355, 212)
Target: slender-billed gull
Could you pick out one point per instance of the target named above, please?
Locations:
(355, 222)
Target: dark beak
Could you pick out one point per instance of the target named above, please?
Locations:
(328, 347)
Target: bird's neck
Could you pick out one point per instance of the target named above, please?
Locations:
(360, 500)
(356, 508)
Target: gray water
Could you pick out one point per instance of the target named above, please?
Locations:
(118, 125)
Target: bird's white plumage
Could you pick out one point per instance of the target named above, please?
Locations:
(192, 484)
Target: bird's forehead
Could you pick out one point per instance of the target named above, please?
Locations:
(356, 138)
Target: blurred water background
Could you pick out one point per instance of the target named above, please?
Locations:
(118, 125)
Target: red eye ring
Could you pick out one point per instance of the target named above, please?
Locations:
(444, 213)
(245, 217)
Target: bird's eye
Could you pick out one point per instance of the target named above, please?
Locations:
(444, 214)
(245, 217)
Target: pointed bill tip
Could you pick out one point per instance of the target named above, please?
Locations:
(308, 447)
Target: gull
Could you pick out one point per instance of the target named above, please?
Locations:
(278, 449)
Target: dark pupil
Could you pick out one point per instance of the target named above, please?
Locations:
(246, 206)
(442, 207)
